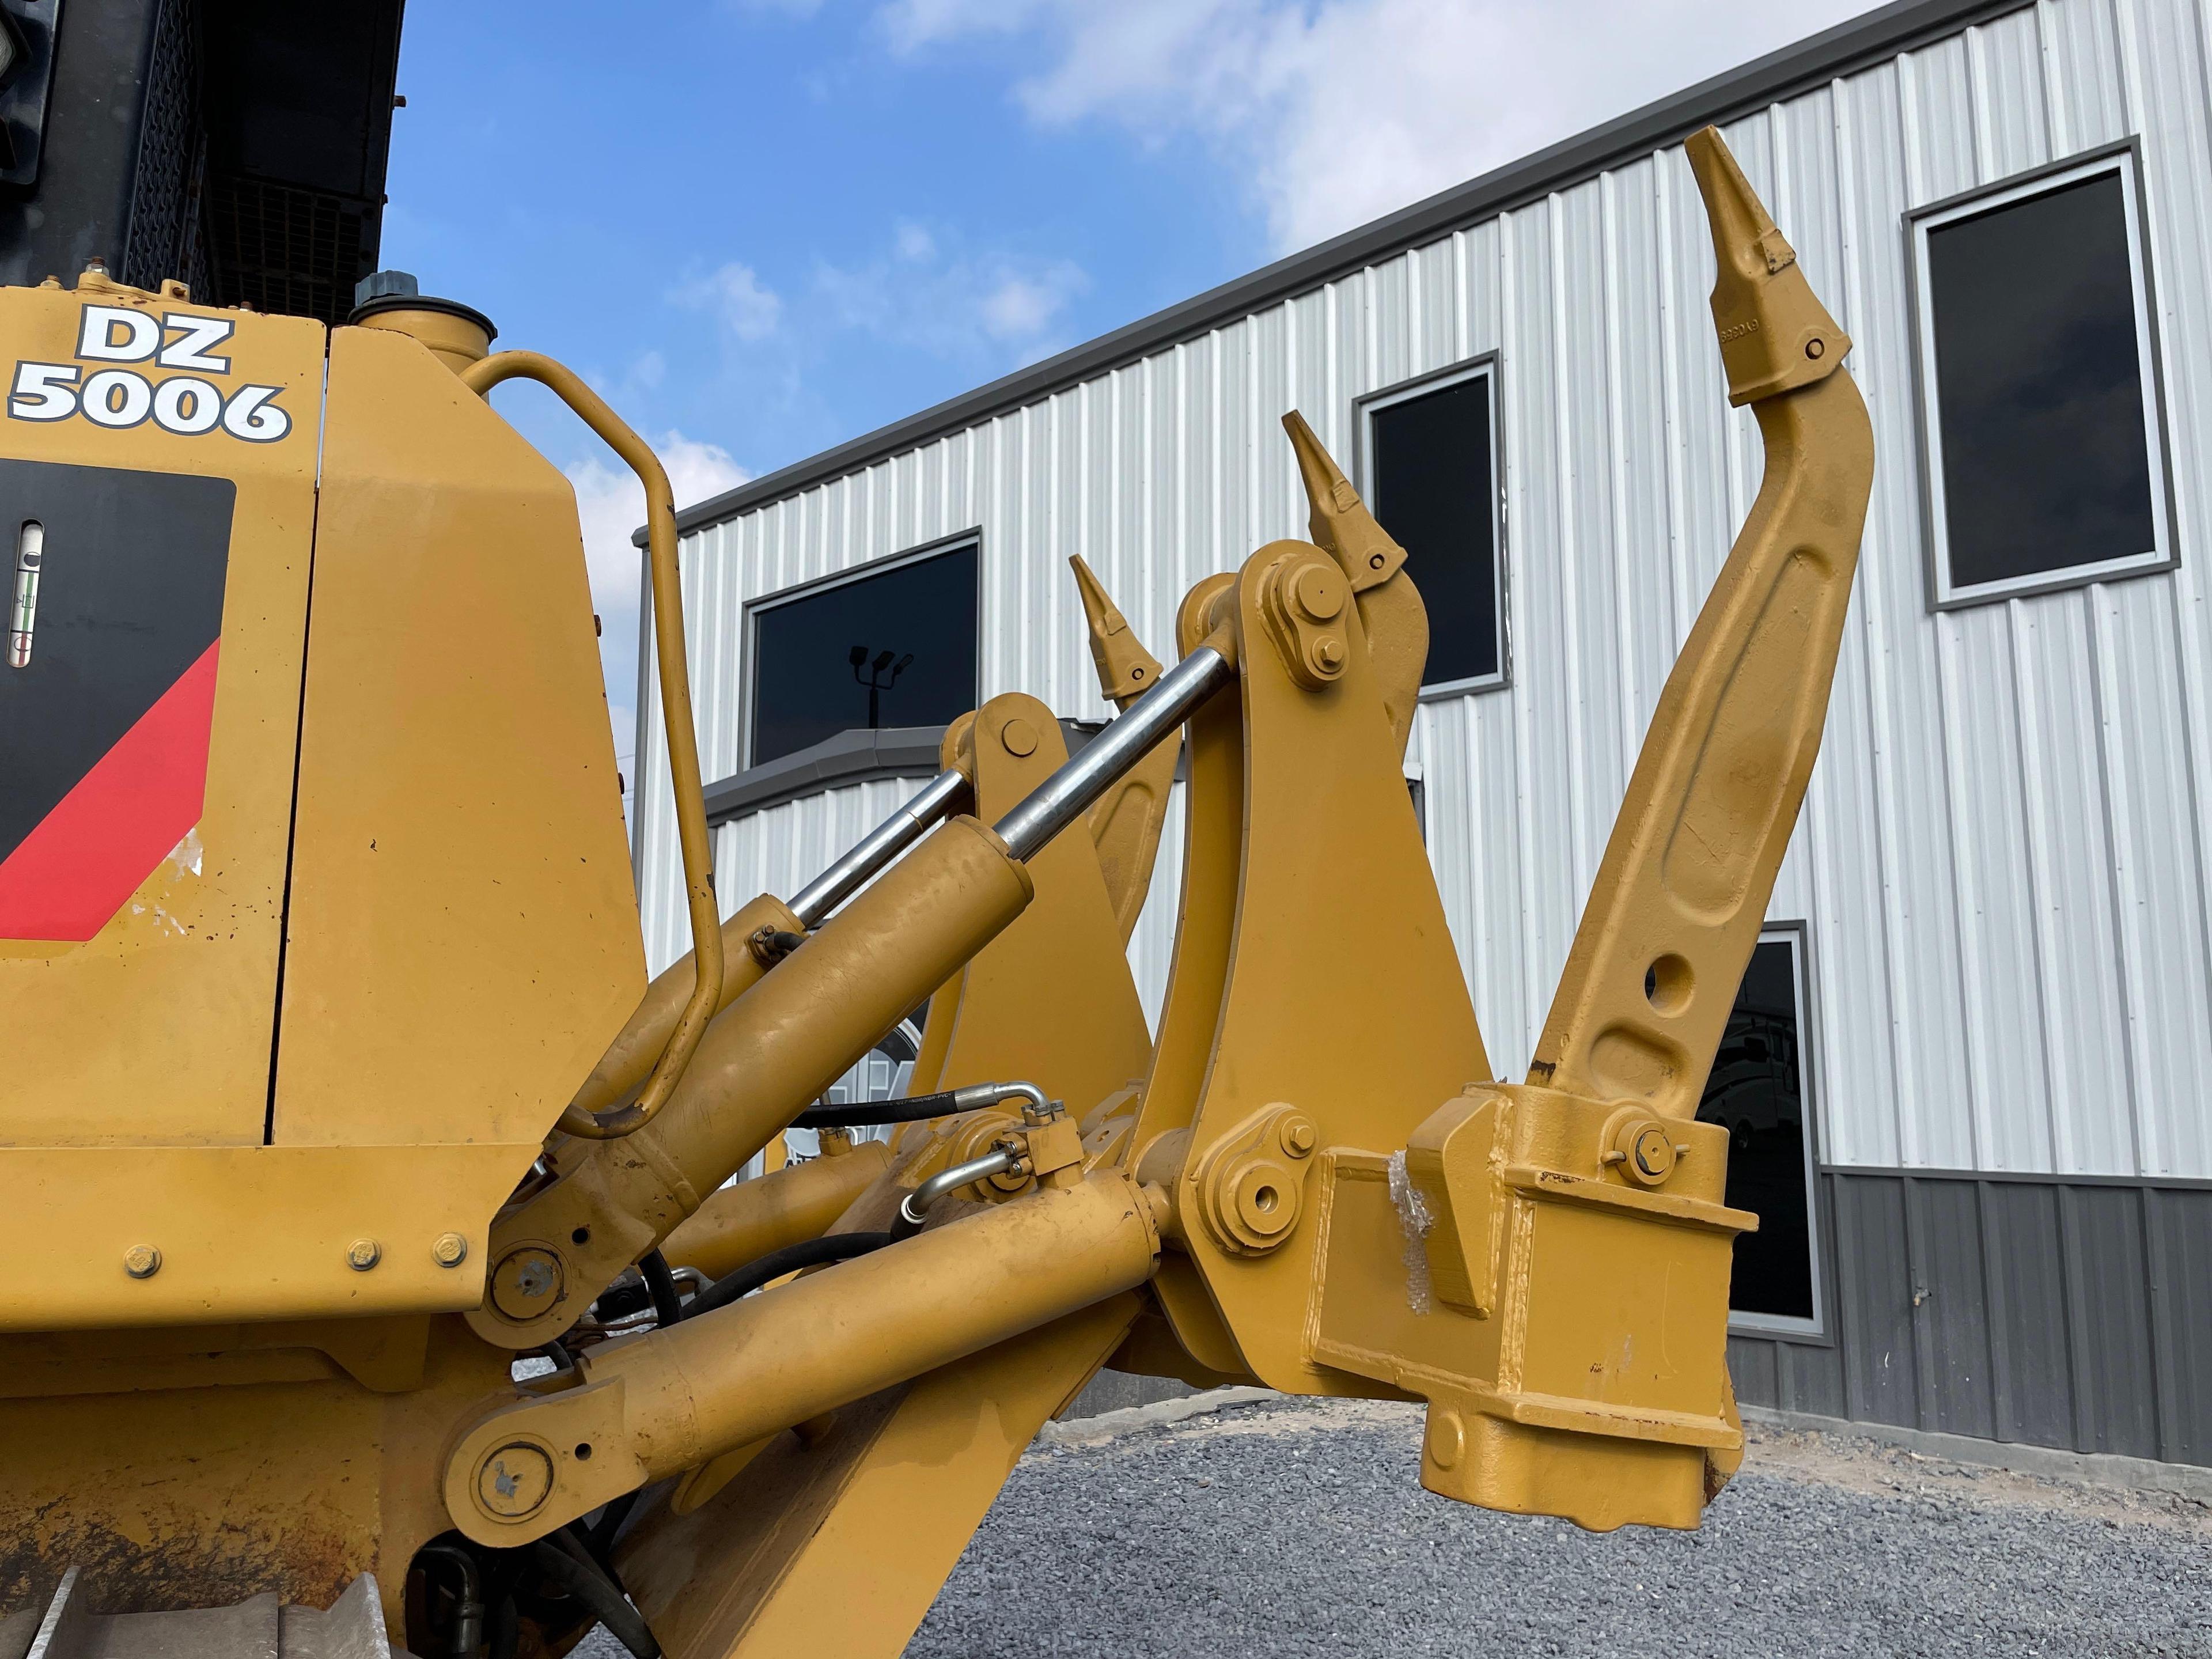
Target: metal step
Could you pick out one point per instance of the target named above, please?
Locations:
(259, 1627)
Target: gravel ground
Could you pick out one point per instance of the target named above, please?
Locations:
(1294, 1528)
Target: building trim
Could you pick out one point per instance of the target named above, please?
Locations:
(2029, 1177)
(1826, 56)
(848, 758)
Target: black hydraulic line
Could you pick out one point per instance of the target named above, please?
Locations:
(503, 1629)
(660, 1283)
(917, 1108)
(566, 1562)
(771, 945)
(807, 1253)
(610, 1526)
(561, 1359)
(914, 1108)
(467, 1633)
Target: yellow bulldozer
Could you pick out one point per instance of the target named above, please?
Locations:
(374, 1275)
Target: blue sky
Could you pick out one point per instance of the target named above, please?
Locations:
(763, 227)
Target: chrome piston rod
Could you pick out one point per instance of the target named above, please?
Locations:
(1055, 803)
(1071, 792)
(939, 800)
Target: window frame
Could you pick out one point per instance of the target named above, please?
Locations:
(1489, 365)
(2124, 159)
(1796, 935)
(755, 607)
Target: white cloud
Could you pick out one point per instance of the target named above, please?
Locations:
(954, 303)
(913, 242)
(733, 293)
(611, 505)
(1338, 111)
(1019, 309)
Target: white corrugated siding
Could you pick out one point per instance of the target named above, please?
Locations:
(2002, 861)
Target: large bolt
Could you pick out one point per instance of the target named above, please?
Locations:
(449, 1250)
(141, 1261)
(512, 1481)
(526, 1283)
(363, 1253)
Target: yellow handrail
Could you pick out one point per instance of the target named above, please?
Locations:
(480, 378)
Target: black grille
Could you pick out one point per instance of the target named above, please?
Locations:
(164, 239)
(279, 248)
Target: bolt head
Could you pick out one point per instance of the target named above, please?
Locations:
(514, 1480)
(449, 1250)
(1328, 654)
(1298, 1136)
(141, 1261)
(363, 1253)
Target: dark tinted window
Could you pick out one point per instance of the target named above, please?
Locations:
(1430, 484)
(2039, 385)
(914, 626)
(1756, 1093)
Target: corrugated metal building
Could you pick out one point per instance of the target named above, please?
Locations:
(1997, 910)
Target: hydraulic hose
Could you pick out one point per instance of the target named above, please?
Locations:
(766, 1270)
(582, 1579)
(918, 1109)
(661, 1285)
(610, 1525)
(467, 1631)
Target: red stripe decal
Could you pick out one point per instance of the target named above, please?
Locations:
(106, 835)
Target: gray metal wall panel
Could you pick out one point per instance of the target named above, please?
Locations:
(1880, 1366)
(2180, 1235)
(1810, 1378)
(2057, 1314)
(2029, 1313)
(2107, 1291)
(1949, 1301)
(1754, 1366)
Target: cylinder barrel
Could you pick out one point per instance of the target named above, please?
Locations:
(743, 1222)
(653, 1407)
(631, 1055)
(781, 1357)
(803, 1026)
